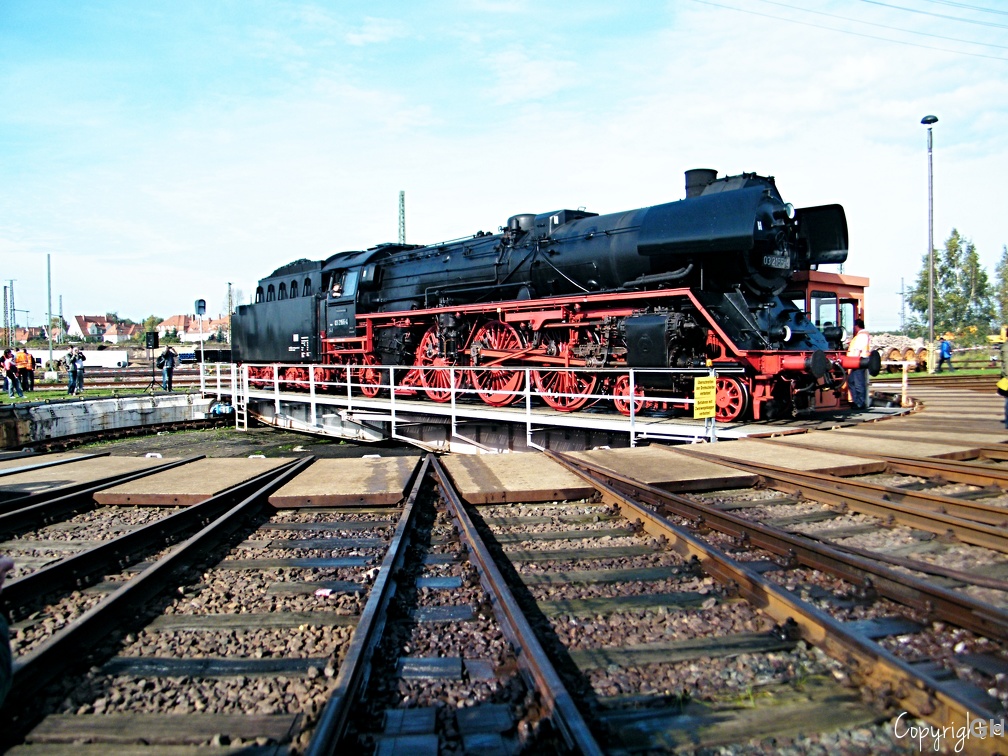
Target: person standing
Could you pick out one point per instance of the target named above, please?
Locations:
(11, 373)
(1004, 374)
(71, 371)
(167, 361)
(79, 370)
(945, 354)
(25, 368)
(857, 379)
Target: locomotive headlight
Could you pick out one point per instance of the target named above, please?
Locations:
(780, 333)
(787, 211)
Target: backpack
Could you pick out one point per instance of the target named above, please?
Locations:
(161, 361)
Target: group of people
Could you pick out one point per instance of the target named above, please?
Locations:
(18, 372)
(74, 363)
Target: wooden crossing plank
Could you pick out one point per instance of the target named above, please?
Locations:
(75, 473)
(767, 451)
(663, 467)
(843, 442)
(333, 482)
(497, 478)
(188, 484)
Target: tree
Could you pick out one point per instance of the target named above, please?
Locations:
(962, 290)
(1001, 287)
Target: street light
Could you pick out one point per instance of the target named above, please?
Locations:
(929, 121)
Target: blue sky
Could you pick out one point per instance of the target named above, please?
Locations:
(158, 150)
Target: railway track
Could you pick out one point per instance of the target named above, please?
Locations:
(602, 617)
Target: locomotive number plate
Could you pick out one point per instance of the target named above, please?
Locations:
(780, 262)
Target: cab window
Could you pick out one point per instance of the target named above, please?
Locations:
(824, 308)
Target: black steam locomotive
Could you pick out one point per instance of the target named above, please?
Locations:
(576, 297)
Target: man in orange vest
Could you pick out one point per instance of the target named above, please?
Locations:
(857, 380)
(25, 365)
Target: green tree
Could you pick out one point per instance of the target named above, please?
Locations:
(962, 290)
(1001, 287)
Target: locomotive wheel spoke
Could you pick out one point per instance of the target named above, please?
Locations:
(732, 399)
(436, 383)
(369, 376)
(564, 390)
(498, 387)
(621, 396)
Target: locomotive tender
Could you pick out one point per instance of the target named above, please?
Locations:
(578, 298)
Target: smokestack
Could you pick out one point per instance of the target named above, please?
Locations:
(697, 180)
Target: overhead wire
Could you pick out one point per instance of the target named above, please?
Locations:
(967, 6)
(936, 15)
(884, 26)
(848, 31)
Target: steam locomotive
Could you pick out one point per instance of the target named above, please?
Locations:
(577, 298)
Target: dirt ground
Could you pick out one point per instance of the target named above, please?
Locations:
(229, 442)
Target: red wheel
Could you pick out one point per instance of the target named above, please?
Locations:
(369, 376)
(294, 378)
(621, 396)
(260, 377)
(436, 383)
(331, 379)
(565, 390)
(732, 399)
(497, 387)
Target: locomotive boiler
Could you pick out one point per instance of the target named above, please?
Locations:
(573, 300)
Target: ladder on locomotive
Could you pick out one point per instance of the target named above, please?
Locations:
(241, 400)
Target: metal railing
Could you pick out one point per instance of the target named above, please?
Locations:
(516, 401)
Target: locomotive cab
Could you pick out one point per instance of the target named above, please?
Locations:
(341, 303)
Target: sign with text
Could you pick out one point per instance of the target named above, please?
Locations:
(704, 397)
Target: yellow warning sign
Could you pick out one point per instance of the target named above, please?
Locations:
(704, 397)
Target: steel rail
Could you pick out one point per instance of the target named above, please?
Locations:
(52, 510)
(935, 502)
(72, 644)
(992, 451)
(953, 470)
(967, 578)
(859, 498)
(51, 463)
(80, 569)
(939, 603)
(881, 670)
(356, 665)
(529, 651)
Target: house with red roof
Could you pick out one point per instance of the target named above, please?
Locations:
(87, 326)
(117, 333)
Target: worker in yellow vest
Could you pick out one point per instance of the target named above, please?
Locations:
(857, 380)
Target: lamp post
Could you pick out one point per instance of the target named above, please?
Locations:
(929, 121)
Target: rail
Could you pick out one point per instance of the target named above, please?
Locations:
(876, 667)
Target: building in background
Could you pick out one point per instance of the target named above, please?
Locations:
(88, 327)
